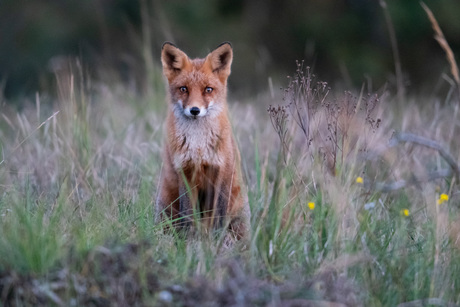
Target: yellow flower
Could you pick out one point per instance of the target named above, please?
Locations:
(443, 198)
(311, 205)
(405, 212)
(359, 180)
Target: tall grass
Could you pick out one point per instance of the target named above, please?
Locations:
(79, 178)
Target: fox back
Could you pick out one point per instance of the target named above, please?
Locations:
(201, 175)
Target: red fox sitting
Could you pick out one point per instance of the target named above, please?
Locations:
(201, 176)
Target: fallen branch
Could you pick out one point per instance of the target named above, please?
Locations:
(430, 176)
(400, 184)
(427, 301)
(412, 138)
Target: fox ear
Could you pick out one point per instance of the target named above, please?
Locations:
(220, 60)
(173, 60)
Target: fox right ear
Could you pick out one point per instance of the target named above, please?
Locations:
(173, 60)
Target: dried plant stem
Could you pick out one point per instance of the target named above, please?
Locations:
(439, 36)
(394, 47)
(147, 46)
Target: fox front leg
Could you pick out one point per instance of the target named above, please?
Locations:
(220, 212)
(185, 207)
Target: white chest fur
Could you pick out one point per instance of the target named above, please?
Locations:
(198, 139)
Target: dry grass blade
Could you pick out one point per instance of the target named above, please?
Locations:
(439, 36)
(28, 136)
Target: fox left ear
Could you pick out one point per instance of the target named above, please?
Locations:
(220, 60)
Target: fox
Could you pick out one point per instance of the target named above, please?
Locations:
(201, 180)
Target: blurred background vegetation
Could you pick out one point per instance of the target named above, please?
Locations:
(345, 41)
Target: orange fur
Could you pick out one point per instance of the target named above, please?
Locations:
(201, 174)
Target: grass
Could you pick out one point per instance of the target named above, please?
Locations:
(79, 177)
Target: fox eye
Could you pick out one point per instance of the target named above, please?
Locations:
(183, 89)
(208, 89)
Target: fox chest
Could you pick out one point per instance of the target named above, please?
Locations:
(196, 148)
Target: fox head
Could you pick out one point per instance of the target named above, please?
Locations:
(198, 87)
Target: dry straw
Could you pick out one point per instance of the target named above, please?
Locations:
(439, 36)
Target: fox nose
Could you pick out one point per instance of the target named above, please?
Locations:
(195, 111)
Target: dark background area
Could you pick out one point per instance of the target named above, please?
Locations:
(345, 41)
